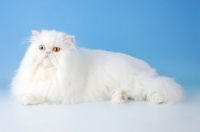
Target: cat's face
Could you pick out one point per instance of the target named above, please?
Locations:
(47, 47)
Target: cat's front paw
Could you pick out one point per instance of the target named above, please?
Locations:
(29, 99)
(119, 96)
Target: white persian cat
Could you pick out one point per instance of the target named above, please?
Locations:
(55, 70)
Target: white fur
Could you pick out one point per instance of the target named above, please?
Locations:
(76, 75)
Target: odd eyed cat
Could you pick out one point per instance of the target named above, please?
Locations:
(55, 70)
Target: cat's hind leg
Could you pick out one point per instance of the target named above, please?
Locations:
(155, 97)
(29, 99)
(119, 96)
(151, 96)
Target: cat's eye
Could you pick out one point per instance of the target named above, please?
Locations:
(56, 49)
(41, 47)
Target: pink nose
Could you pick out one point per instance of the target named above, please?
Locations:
(48, 52)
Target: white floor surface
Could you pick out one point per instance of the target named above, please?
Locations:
(133, 116)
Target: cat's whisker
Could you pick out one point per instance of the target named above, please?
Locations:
(26, 40)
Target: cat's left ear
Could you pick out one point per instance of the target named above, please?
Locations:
(70, 38)
(35, 33)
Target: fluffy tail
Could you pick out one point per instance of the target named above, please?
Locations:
(170, 91)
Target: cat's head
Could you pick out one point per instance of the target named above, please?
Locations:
(48, 47)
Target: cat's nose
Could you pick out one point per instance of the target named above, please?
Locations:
(48, 52)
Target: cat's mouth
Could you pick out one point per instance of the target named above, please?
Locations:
(47, 62)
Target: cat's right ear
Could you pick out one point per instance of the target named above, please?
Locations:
(70, 38)
(35, 33)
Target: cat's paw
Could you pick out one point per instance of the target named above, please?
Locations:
(157, 98)
(30, 100)
(119, 96)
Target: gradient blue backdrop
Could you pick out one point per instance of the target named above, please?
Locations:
(164, 33)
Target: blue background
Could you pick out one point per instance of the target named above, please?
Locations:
(166, 34)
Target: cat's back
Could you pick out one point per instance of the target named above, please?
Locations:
(116, 59)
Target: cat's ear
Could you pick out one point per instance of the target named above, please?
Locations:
(35, 33)
(70, 38)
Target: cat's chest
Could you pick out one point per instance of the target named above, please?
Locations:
(44, 75)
